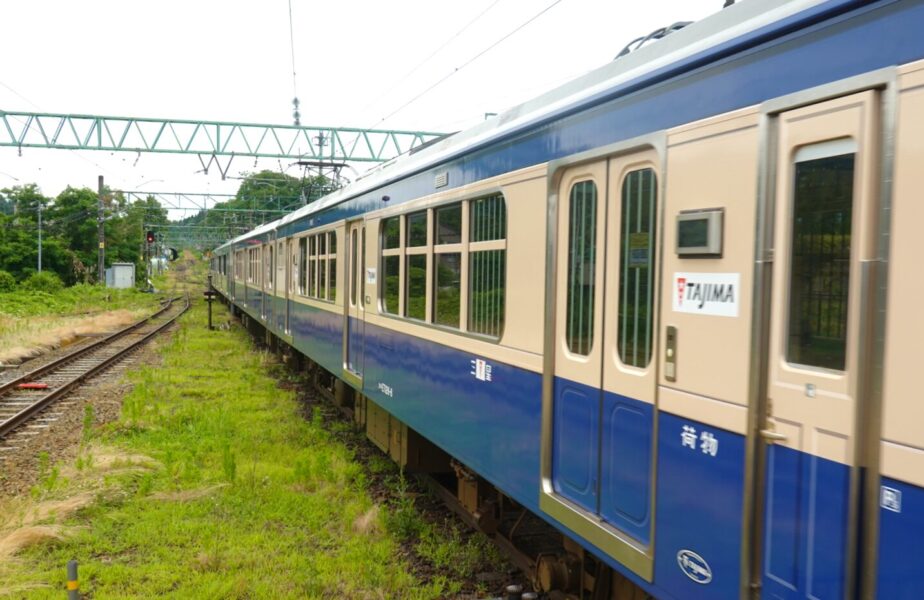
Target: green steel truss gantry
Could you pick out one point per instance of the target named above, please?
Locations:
(205, 138)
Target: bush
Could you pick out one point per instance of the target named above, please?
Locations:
(45, 281)
(7, 282)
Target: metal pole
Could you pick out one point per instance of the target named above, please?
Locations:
(73, 585)
(40, 236)
(209, 300)
(101, 273)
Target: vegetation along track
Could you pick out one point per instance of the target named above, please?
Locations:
(25, 397)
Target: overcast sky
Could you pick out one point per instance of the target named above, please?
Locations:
(357, 62)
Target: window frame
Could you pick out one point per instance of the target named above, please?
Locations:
(309, 265)
(465, 248)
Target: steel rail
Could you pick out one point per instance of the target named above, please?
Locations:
(39, 405)
(78, 353)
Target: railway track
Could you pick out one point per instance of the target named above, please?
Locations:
(24, 398)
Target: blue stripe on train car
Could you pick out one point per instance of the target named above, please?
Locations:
(318, 334)
(805, 525)
(490, 424)
(254, 302)
(700, 495)
(901, 531)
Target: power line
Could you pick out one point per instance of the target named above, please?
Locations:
(468, 62)
(428, 58)
(296, 115)
(83, 158)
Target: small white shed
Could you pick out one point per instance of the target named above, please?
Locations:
(120, 275)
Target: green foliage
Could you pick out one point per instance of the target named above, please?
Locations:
(262, 197)
(285, 529)
(7, 282)
(228, 463)
(45, 281)
(75, 299)
(69, 231)
(402, 520)
(88, 420)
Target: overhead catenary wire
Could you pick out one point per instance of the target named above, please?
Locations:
(296, 115)
(74, 152)
(429, 57)
(466, 63)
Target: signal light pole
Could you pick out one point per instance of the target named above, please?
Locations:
(101, 233)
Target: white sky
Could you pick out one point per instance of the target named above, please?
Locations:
(230, 60)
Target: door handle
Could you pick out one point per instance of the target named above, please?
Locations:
(773, 436)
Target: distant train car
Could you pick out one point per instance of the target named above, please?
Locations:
(671, 307)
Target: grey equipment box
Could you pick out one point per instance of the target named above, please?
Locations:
(120, 275)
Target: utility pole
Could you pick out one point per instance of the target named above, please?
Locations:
(101, 271)
(40, 236)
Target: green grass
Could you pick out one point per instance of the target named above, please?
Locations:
(246, 499)
(75, 299)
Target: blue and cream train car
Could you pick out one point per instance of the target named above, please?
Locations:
(671, 307)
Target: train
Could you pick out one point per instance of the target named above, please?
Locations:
(670, 308)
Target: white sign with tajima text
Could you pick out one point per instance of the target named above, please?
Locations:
(714, 294)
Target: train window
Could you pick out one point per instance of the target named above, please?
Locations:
(636, 268)
(487, 273)
(312, 267)
(269, 268)
(407, 260)
(322, 267)
(447, 289)
(488, 219)
(332, 266)
(354, 255)
(822, 216)
(417, 229)
(391, 233)
(486, 303)
(362, 275)
(448, 229)
(391, 283)
(447, 265)
(582, 260)
(415, 295)
(302, 266)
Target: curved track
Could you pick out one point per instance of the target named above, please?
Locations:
(25, 397)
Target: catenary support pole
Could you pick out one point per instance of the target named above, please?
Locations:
(40, 236)
(101, 272)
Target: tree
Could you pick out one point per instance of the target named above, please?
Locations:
(261, 197)
(19, 235)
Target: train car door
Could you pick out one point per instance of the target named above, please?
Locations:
(825, 224)
(604, 384)
(281, 287)
(292, 274)
(354, 305)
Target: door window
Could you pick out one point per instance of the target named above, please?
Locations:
(636, 268)
(582, 272)
(820, 261)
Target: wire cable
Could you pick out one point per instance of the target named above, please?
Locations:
(429, 57)
(74, 152)
(466, 63)
(296, 115)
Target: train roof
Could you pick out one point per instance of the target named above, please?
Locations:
(718, 35)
